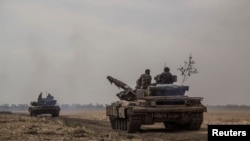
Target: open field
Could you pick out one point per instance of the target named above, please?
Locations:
(93, 125)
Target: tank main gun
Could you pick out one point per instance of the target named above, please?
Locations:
(128, 93)
(119, 83)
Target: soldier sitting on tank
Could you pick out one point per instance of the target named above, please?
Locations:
(165, 77)
(144, 81)
(49, 97)
(49, 100)
(157, 79)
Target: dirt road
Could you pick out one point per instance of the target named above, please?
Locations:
(94, 126)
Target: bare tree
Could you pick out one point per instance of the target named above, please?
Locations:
(188, 69)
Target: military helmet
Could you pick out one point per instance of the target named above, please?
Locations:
(166, 69)
(147, 71)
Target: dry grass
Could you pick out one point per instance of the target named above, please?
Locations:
(21, 127)
(99, 115)
(227, 117)
(94, 126)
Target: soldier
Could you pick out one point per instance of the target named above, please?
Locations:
(39, 100)
(49, 97)
(165, 77)
(145, 80)
(157, 79)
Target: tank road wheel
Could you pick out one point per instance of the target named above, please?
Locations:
(125, 124)
(130, 125)
(196, 120)
(112, 122)
(31, 113)
(133, 124)
(34, 113)
(55, 114)
(116, 123)
(122, 124)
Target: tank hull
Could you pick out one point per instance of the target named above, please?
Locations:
(39, 110)
(128, 117)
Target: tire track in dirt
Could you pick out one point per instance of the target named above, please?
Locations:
(98, 125)
(145, 134)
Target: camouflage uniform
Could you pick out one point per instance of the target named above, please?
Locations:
(144, 81)
(39, 100)
(166, 77)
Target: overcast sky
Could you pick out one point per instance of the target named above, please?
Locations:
(68, 47)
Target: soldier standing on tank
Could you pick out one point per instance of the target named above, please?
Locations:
(39, 100)
(165, 77)
(145, 80)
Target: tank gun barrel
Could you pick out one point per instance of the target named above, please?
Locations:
(128, 93)
(119, 83)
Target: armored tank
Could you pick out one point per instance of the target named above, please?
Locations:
(44, 106)
(165, 103)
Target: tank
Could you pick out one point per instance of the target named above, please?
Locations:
(44, 106)
(164, 103)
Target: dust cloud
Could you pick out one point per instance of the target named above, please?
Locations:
(68, 48)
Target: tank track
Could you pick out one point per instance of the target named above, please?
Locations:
(131, 125)
(195, 122)
(36, 111)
